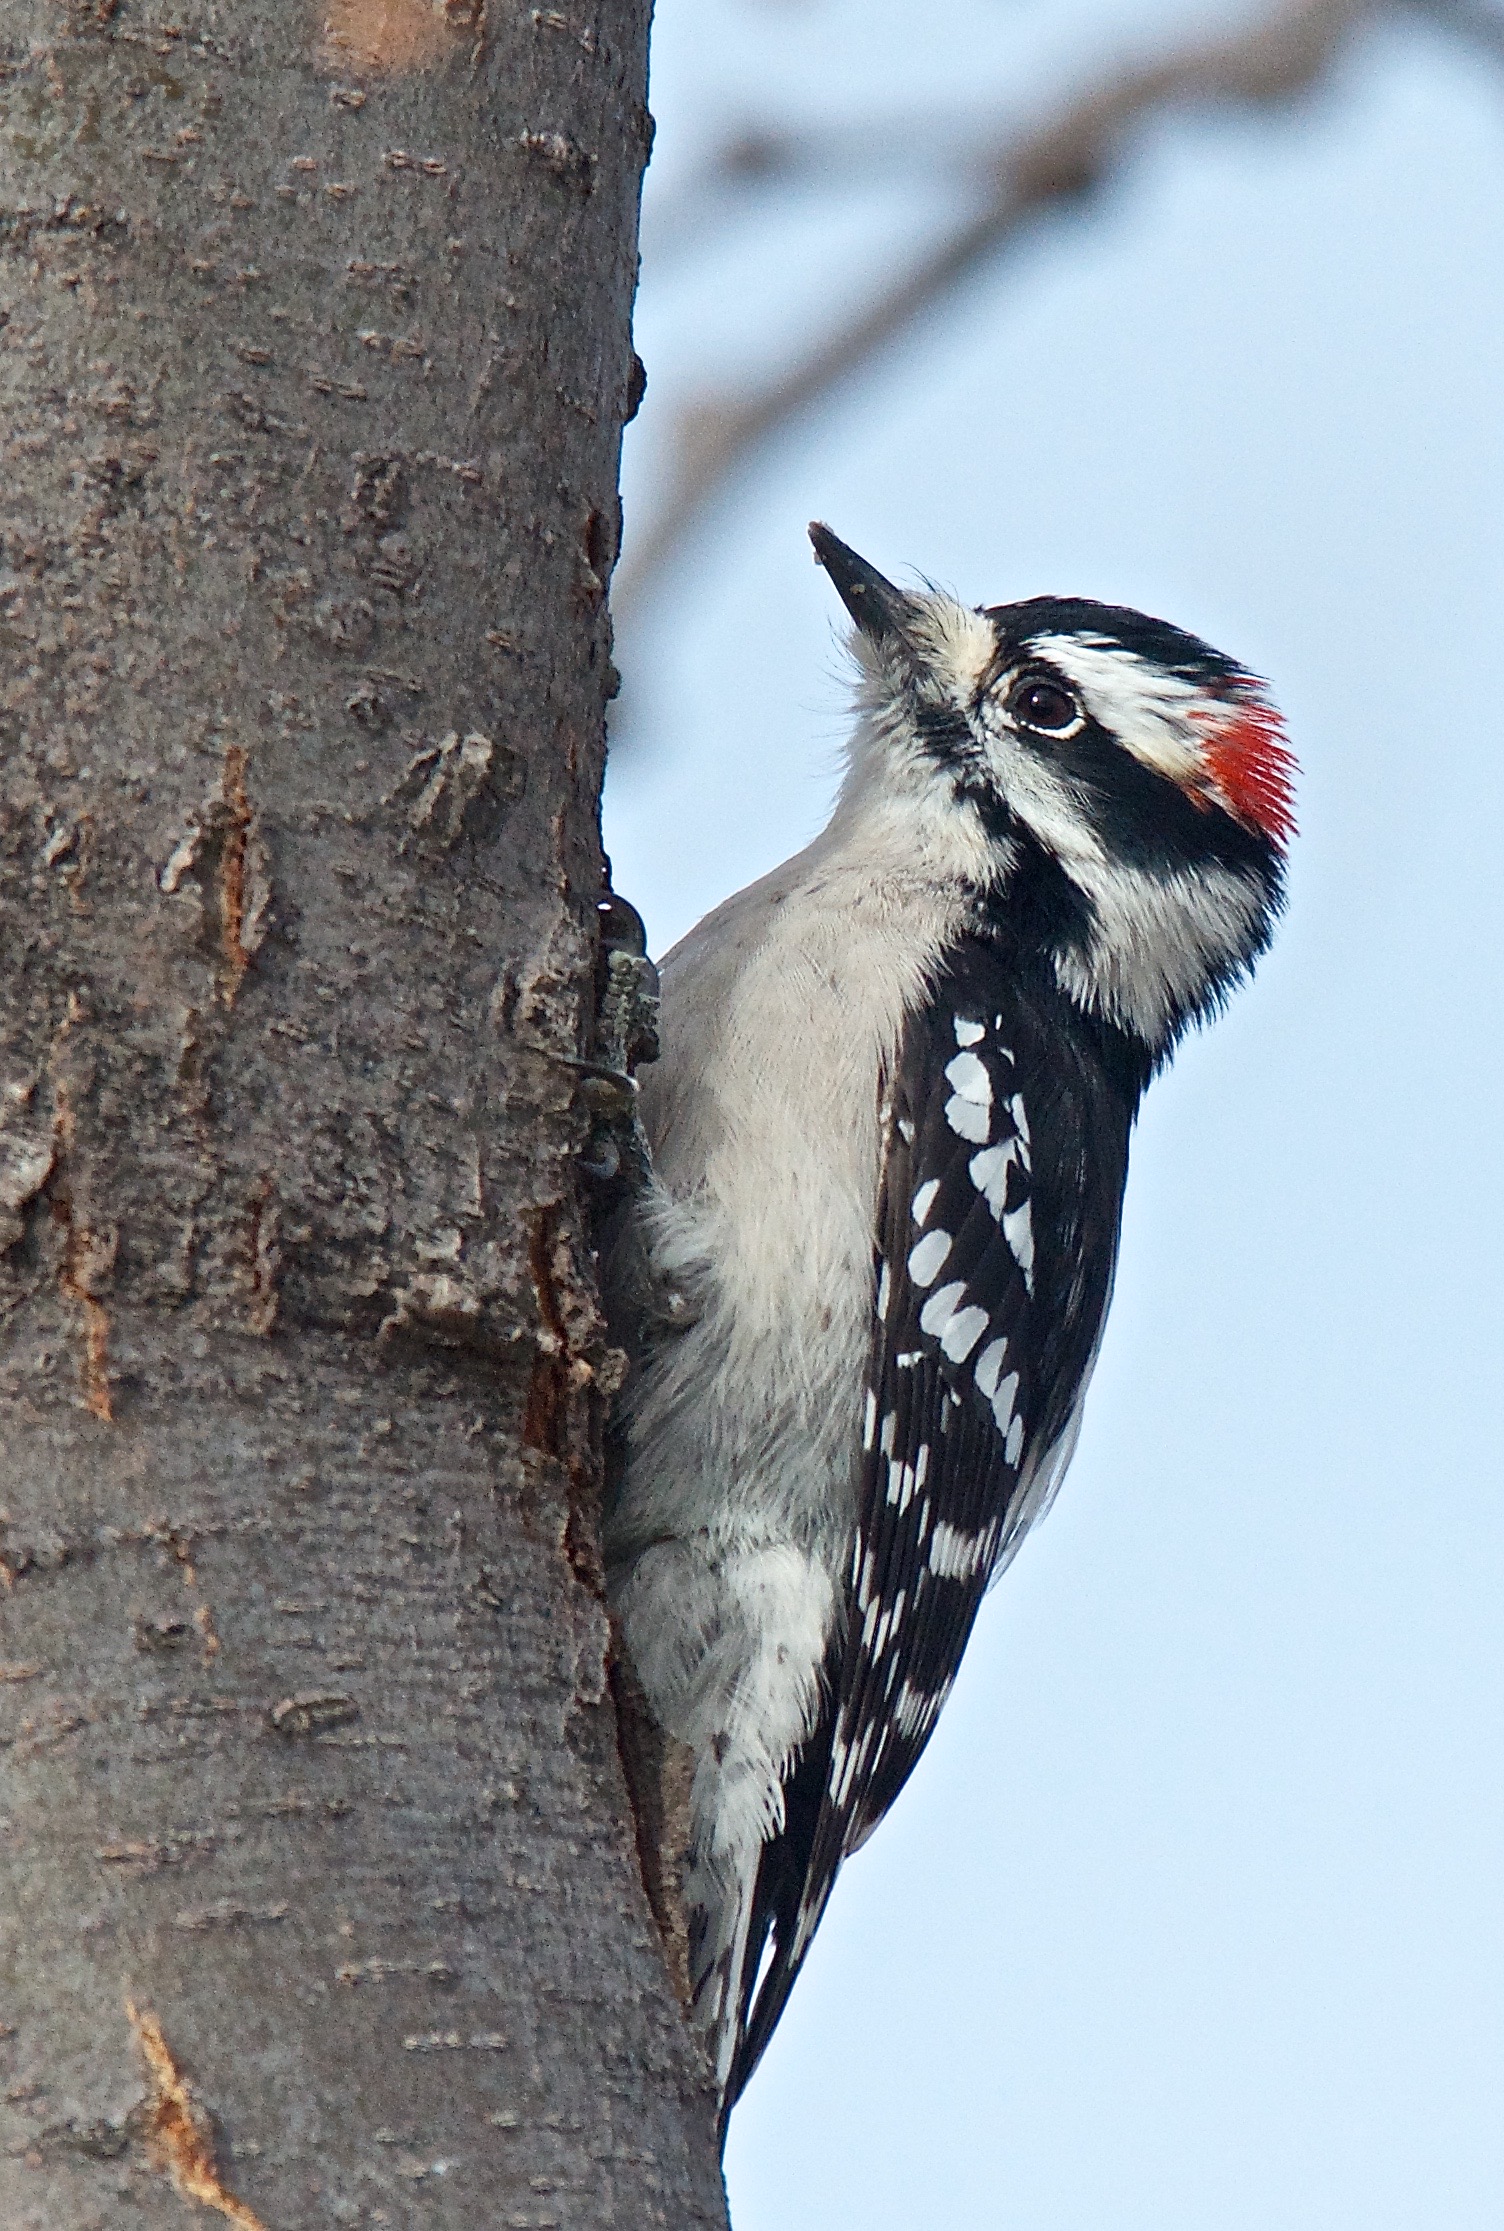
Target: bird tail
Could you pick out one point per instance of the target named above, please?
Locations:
(721, 1916)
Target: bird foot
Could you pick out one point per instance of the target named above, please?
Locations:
(615, 1156)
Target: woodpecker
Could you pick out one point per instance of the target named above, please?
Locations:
(863, 1283)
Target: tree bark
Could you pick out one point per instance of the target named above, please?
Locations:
(321, 1900)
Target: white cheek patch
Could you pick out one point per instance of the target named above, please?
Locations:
(1155, 941)
(1151, 713)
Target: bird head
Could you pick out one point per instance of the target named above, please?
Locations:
(1064, 744)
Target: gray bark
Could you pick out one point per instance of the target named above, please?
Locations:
(321, 1902)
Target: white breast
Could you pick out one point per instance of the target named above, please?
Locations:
(782, 1014)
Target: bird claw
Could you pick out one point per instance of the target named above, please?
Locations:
(616, 1150)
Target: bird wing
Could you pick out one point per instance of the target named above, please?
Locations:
(993, 1271)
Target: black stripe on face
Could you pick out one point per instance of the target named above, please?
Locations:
(1145, 818)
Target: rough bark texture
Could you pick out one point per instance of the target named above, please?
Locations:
(321, 1902)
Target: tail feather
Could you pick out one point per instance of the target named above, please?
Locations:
(783, 1916)
(721, 1916)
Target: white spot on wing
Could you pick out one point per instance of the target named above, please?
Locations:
(988, 1365)
(927, 1257)
(875, 1624)
(900, 1489)
(969, 1120)
(968, 1032)
(916, 1710)
(940, 1308)
(869, 1420)
(989, 1173)
(1018, 1231)
(1003, 1400)
(954, 1555)
(962, 1333)
(967, 1076)
(924, 1199)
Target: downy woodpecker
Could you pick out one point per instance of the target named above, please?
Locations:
(864, 1283)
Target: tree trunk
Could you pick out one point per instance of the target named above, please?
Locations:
(321, 1898)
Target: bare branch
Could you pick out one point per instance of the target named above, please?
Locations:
(762, 156)
(1072, 155)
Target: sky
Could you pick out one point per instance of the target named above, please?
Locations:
(1193, 1914)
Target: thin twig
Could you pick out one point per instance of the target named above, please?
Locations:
(1069, 157)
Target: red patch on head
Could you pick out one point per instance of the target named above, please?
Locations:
(1250, 764)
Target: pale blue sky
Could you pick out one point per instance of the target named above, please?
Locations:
(1192, 1919)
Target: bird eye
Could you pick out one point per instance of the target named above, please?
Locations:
(1041, 703)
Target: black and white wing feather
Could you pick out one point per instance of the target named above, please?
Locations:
(1002, 1186)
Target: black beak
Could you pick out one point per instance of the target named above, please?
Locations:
(878, 609)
